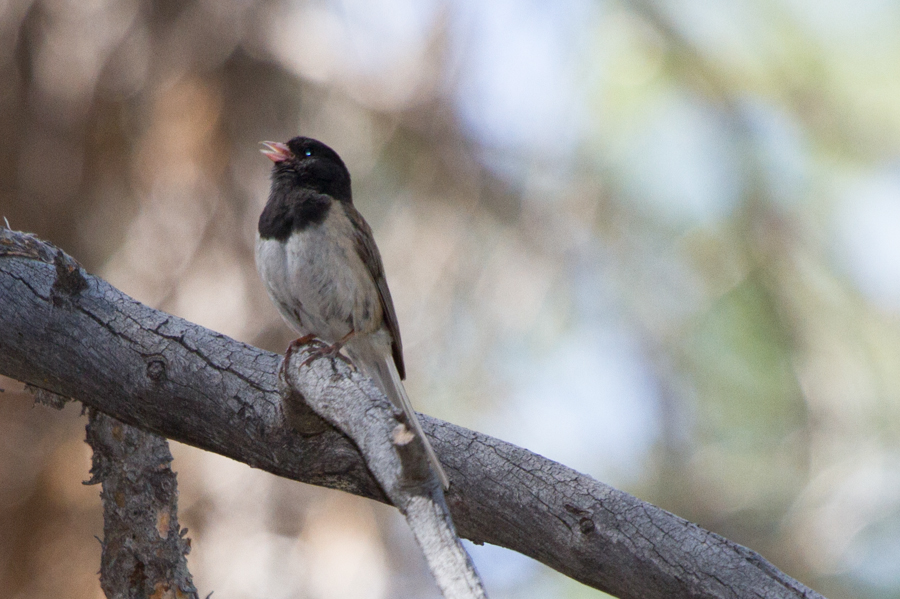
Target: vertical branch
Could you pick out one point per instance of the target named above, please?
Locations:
(394, 455)
(143, 548)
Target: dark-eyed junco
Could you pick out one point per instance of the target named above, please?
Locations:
(319, 262)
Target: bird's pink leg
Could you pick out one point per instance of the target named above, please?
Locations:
(333, 350)
(298, 343)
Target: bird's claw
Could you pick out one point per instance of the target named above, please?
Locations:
(297, 344)
(331, 351)
(323, 350)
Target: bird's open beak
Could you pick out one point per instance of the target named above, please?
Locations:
(275, 151)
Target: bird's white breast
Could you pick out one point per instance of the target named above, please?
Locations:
(317, 280)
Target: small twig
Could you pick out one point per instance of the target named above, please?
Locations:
(395, 456)
(46, 398)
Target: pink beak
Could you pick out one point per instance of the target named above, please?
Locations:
(276, 152)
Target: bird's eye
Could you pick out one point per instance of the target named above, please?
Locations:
(308, 152)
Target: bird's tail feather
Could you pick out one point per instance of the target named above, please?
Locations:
(393, 387)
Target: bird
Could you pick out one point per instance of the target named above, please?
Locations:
(317, 257)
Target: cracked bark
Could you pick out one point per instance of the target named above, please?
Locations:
(144, 547)
(165, 375)
(395, 456)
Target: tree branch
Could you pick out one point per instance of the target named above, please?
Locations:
(395, 456)
(144, 548)
(77, 336)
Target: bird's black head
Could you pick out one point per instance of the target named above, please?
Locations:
(309, 164)
(306, 178)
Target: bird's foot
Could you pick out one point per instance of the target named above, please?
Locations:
(322, 350)
(298, 343)
(330, 351)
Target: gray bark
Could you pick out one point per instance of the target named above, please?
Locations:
(74, 335)
(144, 548)
(395, 456)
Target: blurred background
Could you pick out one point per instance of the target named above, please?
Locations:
(658, 241)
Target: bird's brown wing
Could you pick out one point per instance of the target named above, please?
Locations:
(368, 253)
